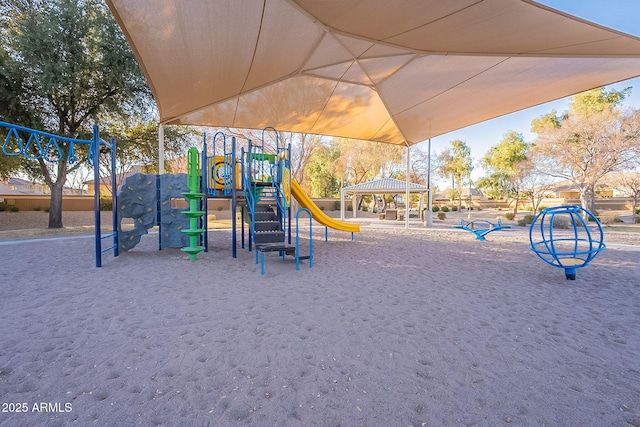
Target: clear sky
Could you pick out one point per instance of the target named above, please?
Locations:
(621, 15)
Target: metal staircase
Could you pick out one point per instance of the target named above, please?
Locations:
(267, 228)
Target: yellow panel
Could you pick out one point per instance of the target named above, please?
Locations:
(216, 173)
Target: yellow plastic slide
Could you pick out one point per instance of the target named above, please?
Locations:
(306, 202)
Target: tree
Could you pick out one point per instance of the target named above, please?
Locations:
(596, 100)
(302, 147)
(628, 182)
(534, 184)
(322, 171)
(8, 164)
(136, 145)
(592, 140)
(457, 164)
(362, 161)
(11, 109)
(74, 64)
(505, 163)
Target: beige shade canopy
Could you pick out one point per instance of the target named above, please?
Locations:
(392, 71)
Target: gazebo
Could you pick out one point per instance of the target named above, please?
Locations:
(382, 186)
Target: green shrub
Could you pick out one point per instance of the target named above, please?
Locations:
(350, 208)
(322, 208)
(445, 209)
(37, 208)
(638, 211)
(541, 207)
(336, 205)
(562, 223)
(638, 220)
(609, 218)
(435, 208)
(13, 208)
(454, 208)
(527, 220)
(499, 208)
(219, 208)
(3, 207)
(510, 216)
(105, 204)
(442, 216)
(364, 209)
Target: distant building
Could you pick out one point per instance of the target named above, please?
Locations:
(446, 194)
(105, 182)
(606, 188)
(178, 165)
(17, 186)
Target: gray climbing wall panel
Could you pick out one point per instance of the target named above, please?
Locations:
(137, 200)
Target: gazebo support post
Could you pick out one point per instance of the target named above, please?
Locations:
(354, 203)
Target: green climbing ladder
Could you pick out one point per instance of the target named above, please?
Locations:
(194, 196)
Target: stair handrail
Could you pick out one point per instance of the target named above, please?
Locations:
(210, 172)
(277, 137)
(298, 238)
(249, 189)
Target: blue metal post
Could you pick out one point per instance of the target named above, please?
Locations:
(233, 196)
(290, 178)
(298, 238)
(114, 197)
(95, 149)
(159, 212)
(253, 193)
(205, 191)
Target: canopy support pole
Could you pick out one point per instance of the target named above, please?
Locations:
(406, 200)
(161, 149)
(429, 214)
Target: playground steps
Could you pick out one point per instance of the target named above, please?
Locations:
(278, 247)
(266, 226)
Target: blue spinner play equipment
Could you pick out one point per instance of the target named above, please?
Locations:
(481, 227)
(568, 237)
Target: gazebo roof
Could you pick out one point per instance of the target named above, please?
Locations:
(385, 186)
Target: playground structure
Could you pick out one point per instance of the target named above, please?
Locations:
(485, 228)
(561, 237)
(52, 148)
(258, 182)
(256, 179)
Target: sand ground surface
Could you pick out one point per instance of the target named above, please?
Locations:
(398, 327)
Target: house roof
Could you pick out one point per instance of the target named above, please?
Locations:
(22, 186)
(385, 186)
